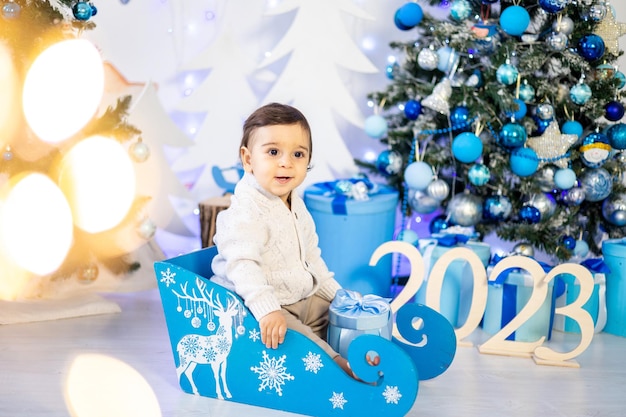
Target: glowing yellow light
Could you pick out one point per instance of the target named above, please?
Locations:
(63, 89)
(8, 85)
(98, 385)
(36, 224)
(98, 179)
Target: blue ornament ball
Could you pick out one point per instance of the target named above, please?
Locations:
(408, 16)
(460, 10)
(524, 162)
(596, 183)
(82, 10)
(479, 174)
(412, 109)
(580, 93)
(418, 175)
(392, 70)
(389, 162)
(476, 79)
(614, 111)
(617, 136)
(565, 178)
(572, 127)
(614, 209)
(376, 126)
(459, 116)
(447, 58)
(568, 242)
(512, 135)
(526, 93)
(438, 223)
(542, 124)
(591, 47)
(622, 79)
(581, 249)
(530, 214)
(497, 207)
(514, 20)
(595, 150)
(409, 236)
(467, 147)
(507, 74)
(553, 6)
(519, 110)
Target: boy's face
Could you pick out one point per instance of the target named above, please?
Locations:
(278, 156)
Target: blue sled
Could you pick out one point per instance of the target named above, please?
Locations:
(218, 353)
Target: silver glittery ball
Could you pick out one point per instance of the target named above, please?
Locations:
(557, 41)
(545, 178)
(545, 111)
(427, 59)
(524, 249)
(597, 12)
(422, 203)
(146, 229)
(465, 209)
(545, 203)
(564, 25)
(438, 189)
(575, 196)
(614, 209)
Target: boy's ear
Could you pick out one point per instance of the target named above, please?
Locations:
(244, 154)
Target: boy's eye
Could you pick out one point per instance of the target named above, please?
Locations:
(273, 152)
(299, 154)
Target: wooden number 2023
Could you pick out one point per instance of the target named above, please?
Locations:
(497, 344)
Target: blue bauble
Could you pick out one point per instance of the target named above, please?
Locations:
(614, 209)
(408, 16)
(519, 111)
(418, 175)
(94, 11)
(497, 207)
(591, 47)
(412, 109)
(376, 126)
(479, 174)
(572, 127)
(476, 79)
(595, 150)
(580, 93)
(514, 20)
(542, 125)
(568, 242)
(553, 6)
(581, 249)
(622, 79)
(460, 10)
(565, 178)
(438, 223)
(82, 10)
(447, 58)
(524, 162)
(392, 70)
(507, 74)
(530, 214)
(512, 135)
(617, 136)
(467, 147)
(459, 116)
(596, 183)
(526, 93)
(389, 162)
(409, 236)
(614, 111)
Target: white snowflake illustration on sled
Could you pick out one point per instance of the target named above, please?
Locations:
(272, 373)
(312, 362)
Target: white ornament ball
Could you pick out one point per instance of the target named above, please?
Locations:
(418, 175)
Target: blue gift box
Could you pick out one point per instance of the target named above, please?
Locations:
(614, 251)
(350, 230)
(352, 314)
(456, 291)
(506, 298)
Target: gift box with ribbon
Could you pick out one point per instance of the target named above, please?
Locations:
(456, 291)
(596, 305)
(507, 295)
(353, 218)
(352, 314)
(614, 253)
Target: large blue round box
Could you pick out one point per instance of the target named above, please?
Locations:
(349, 232)
(614, 252)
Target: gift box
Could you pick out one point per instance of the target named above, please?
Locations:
(614, 253)
(507, 296)
(458, 283)
(595, 306)
(350, 229)
(352, 314)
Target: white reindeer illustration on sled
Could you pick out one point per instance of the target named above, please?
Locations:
(228, 361)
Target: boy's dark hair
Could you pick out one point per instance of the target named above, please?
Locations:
(275, 114)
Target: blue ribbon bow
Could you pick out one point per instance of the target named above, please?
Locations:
(350, 309)
(596, 266)
(342, 194)
(450, 239)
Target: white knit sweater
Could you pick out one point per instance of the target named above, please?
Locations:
(268, 254)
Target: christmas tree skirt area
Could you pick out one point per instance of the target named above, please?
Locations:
(12, 312)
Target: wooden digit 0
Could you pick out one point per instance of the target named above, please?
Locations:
(497, 344)
(546, 356)
(416, 277)
(479, 291)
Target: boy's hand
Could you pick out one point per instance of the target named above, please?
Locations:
(273, 329)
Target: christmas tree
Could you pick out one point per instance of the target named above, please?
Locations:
(67, 182)
(506, 115)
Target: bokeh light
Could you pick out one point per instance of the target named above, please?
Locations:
(36, 224)
(98, 179)
(9, 115)
(63, 89)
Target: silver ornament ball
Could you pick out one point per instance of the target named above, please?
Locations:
(465, 209)
(524, 249)
(438, 189)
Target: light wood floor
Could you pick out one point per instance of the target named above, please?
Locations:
(35, 362)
